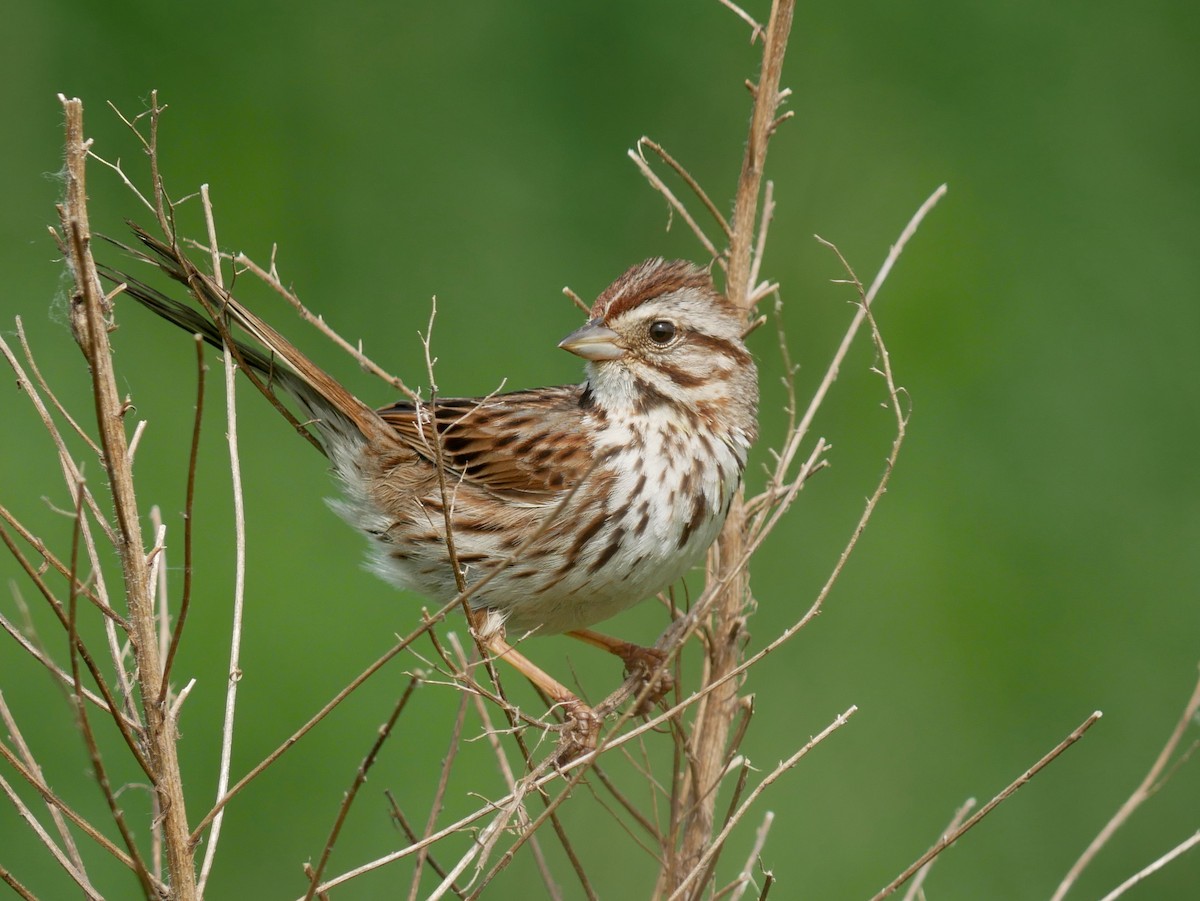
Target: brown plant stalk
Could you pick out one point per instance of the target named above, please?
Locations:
(89, 325)
(713, 719)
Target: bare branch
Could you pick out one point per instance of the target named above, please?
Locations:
(676, 204)
(689, 180)
(32, 770)
(234, 673)
(360, 776)
(746, 877)
(766, 101)
(52, 800)
(755, 29)
(914, 887)
(26, 814)
(189, 507)
(89, 328)
(272, 279)
(439, 794)
(1145, 789)
(1183, 847)
(718, 842)
(953, 835)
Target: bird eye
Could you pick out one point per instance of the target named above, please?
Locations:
(662, 331)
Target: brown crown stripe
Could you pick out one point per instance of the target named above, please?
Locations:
(652, 278)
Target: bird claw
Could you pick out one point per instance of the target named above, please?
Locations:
(580, 733)
(647, 664)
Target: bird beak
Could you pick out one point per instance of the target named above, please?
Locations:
(593, 342)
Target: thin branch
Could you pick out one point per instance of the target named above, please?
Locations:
(38, 784)
(73, 476)
(47, 555)
(356, 351)
(109, 704)
(506, 771)
(439, 794)
(234, 677)
(360, 776)
(718, 842)
(1144, 790)
(316, 718)
(796, 437)
(953, 835)
(70, 471)
(62, 675)
(15, 884)
(755, 29)
(767, 97)
(676, 204)
(746, 877)
(32, 770)
(116, 167)
(1183, 847)
(189, 509)
(689, 180)
(26, 814)
(914, 888)
(760, 245)
(90, 330)
(89, 738)
(577, 300)
(626, 804)
(62, 411)
(398, 816)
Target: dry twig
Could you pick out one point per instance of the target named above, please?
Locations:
(953, 835)
(1148, 786)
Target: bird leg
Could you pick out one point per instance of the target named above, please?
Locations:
(583, 723)
(645, 663)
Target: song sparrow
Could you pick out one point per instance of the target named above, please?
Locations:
(652, 444)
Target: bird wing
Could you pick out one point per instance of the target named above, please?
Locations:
(526, 445)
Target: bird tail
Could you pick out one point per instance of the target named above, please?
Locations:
(336, 414)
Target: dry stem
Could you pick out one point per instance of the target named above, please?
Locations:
(710, 729)
(1149, 785)
(1182, 848)
(954, 834)
(90, 329)
(234, 672)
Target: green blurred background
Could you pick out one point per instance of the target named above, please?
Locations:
(1036, 557)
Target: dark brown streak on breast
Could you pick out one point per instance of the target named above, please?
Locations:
(614, 545)
(698, 510)
(588, 533)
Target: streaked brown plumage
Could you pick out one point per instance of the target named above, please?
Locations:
(653, 443)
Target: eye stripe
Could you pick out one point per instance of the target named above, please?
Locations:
(722, 346)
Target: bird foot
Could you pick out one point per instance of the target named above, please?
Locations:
(648, 665)
(580, 732)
